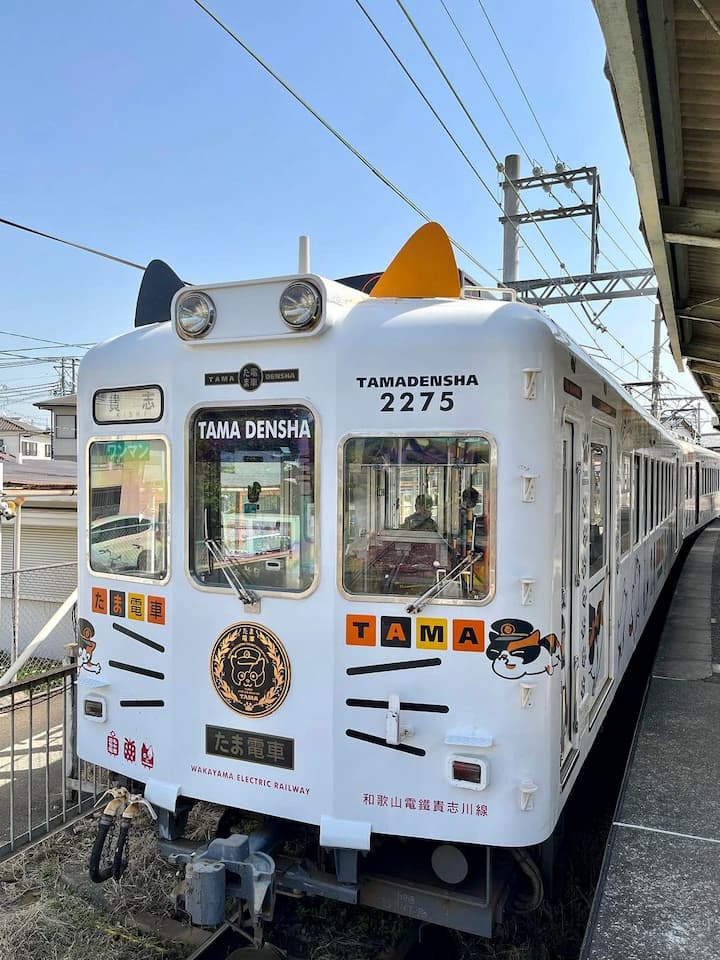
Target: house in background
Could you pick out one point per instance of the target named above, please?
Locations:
(23, 441)
(63, 411)
(38, 553)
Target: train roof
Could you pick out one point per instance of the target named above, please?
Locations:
(424, 269)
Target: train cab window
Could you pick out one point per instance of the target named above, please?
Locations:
(252, 514)
(418, 512)
(128, 534)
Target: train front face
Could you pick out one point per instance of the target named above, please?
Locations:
(312, 587)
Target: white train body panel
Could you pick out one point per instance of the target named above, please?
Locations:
(514, 379)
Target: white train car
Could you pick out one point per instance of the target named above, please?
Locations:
(369, 563)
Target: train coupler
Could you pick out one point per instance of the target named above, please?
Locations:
(229, 868)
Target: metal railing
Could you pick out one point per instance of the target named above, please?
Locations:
(43, 784)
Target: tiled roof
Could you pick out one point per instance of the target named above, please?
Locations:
(42, 474)
(18, 426)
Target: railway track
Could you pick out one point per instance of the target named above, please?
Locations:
(421, 942)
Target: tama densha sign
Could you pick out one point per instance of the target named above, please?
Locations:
(255, 429)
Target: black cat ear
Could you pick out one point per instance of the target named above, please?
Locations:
(159, 285)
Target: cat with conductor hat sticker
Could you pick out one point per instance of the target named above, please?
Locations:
(517, 649)
(86, 646)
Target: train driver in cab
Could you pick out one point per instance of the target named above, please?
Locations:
(422, 518)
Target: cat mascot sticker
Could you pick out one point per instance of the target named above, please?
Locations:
(517, 649)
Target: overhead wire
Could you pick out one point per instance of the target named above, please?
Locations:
(498, 103)
(632, 238)
(444, 126)
(487, 83)
(533, 163)
(439, 119)
(336, 133)
(556, 158)
(553, 153)
(446, 129)
(286, 86)
(54, 343)
(517, 80)
(71, 243)
(124, 261)
(591, 316)
(429, 105)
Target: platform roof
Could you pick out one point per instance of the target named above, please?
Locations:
(664, 66)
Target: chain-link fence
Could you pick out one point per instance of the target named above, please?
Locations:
(28, 599)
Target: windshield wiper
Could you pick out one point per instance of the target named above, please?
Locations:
(438, 587)
(229, 569)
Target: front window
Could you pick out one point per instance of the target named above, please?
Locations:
(253, 506)
(415, 509)
(128, 508)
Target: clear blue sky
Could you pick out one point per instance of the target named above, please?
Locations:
(140, 128)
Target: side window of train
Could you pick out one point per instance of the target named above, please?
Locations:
(253, 494)
(598, 506)
(637, 474)
(128, 532)
(416, 510)
(625, 504)
(653, 496)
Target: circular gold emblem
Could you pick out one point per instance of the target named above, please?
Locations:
(250, 669)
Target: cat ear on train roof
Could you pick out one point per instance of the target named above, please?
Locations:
(424, 267)
(159, 285)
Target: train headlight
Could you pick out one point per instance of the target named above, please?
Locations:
(195, 314)
(300, 304)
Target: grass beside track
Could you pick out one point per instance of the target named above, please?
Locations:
(44, 919)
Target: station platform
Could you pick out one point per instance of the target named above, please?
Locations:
(658, 897)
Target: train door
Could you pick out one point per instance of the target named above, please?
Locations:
(569, 548)
(697, 493)
(598, 611)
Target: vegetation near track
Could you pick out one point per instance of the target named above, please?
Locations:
(45, 919)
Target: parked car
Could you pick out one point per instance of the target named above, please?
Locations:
(121, 543)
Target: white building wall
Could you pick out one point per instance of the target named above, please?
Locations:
(48, 554)
(14, 441)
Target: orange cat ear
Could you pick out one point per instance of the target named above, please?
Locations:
(425, 267)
